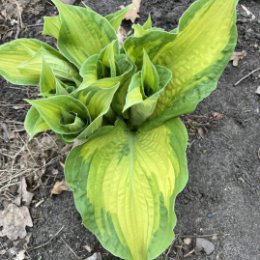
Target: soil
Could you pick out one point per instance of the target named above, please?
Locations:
(222, 196)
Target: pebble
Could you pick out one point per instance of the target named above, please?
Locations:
(96, 256)
(206, 245)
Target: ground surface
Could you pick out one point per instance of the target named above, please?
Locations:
(222, 196)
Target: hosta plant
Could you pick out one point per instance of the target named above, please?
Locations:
(122, 101)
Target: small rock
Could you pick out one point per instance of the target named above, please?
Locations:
(96, 256)
(187, 241)
(88, 248)
(206, 245)
(258, 91)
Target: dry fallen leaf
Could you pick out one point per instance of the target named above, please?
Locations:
(238, 56)
(23, 195)
(121, 35)
(216, 116)
(132, 15)
(200, 132)
(59, 187)
(14, 219)
(20, 255)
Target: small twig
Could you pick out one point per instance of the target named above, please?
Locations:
(47, 242)
(246, 76)
(33, 25)
(190, 253)
(168, 251)
(71, 250)
(200, 236)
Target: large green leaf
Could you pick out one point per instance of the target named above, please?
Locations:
(52, 24)
(125, 184)
(21, 62)
(82, 33)
(205, 41)
(64, 115)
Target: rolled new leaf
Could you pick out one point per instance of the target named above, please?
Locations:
(50, 85)
(64, 115)
(47, 80)
(34, 124)
(144, 90)
(21, 62)
(97, 98)
(125, 183)
(108, 64)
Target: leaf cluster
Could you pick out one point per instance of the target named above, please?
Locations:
(123, 100)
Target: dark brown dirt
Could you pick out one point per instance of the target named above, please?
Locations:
(222, 195)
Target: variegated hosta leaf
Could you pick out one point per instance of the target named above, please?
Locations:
(64, 115)
(97, 98)
(34, 123)
(82, 32)
(205, 41)
(47, 80)
(50, 85)
(145, 88)
(52, 24)
(125, 184)
(99, 66)
(21, 62)
(107, 61)
(149, 40)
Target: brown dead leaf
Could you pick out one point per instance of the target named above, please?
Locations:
(237, 56)
(216, 116)
(14, 219)
(59, 187)
(23, 195)
(20, 255)
(200, 132)
(132, 15)
(121, 35)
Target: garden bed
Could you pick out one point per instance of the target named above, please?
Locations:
(222, 199)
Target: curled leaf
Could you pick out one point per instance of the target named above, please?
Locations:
(59, 187)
